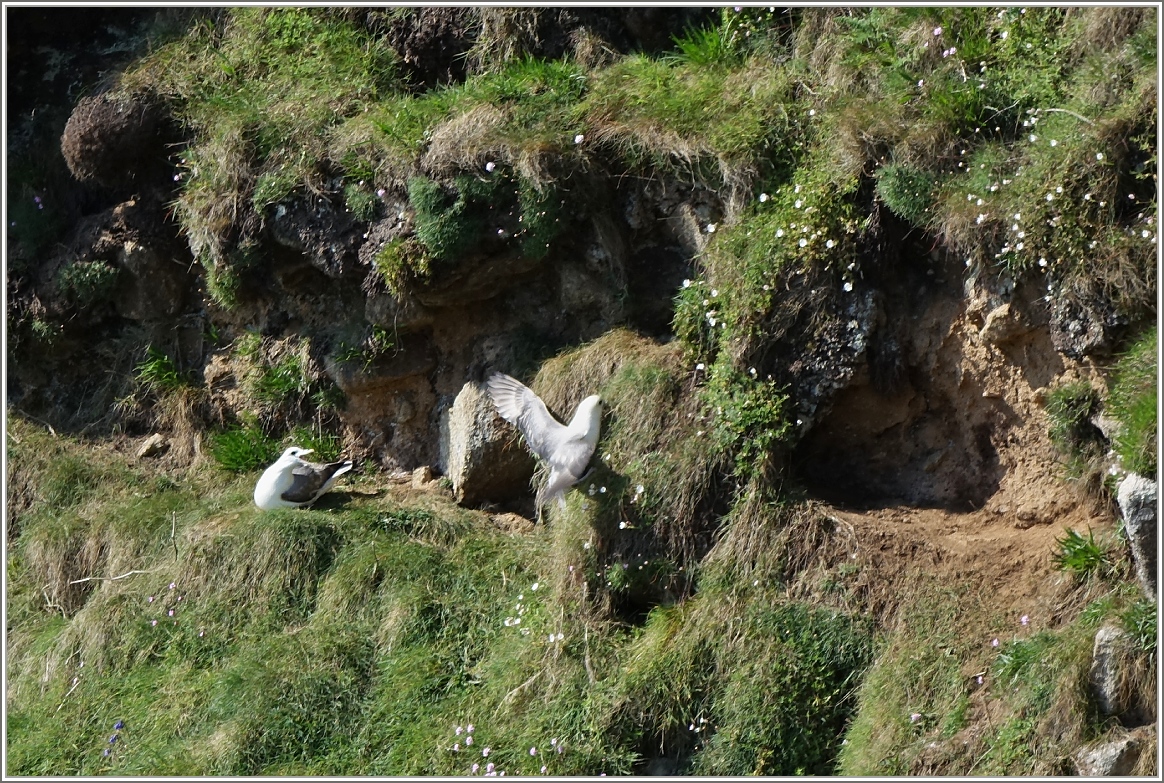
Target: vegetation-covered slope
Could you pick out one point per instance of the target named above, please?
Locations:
(880, 266)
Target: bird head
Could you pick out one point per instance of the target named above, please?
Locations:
(295, 452)
(590, 412)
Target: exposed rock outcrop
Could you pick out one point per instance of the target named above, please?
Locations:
(1137, 499)
(1116, 758)
(479, 453)
(1106, 677)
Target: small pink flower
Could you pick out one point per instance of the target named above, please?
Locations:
(489, 767)
(914, 718)
(475, 767)
(469, 740)
(456, 747)
(458, 730)
(979, 679)
(150, 599)
(486, 753)
(994, 643)
(171, 613)
(1024, 619)
(533, 751)
(153, 622)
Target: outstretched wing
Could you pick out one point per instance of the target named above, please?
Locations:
(525, 410)
(308, 480)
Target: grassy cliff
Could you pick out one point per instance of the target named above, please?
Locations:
(696, 607)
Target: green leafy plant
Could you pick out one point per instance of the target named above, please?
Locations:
(401, 261)
(908, 191)
(747, 414)
(159, 373)
(1081, 556)
(243, 448)
(361, 201)
(86, 283)
(281, 382)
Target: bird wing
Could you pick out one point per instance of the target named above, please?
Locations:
(525, 410)
(309, 480)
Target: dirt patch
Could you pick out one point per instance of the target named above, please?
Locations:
(951, 470)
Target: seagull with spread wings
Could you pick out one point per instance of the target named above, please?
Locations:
(566, 448)
(292, 482)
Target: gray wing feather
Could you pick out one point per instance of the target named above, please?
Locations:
(518, 405)
(310, 480)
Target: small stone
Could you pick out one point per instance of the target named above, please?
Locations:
(421, 477)
(153, 446)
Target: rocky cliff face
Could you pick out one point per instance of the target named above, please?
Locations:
(924, 372)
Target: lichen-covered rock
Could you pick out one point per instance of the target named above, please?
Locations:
(479, 453)
(1085, 328)
(1105, 674)
(1118, 757)
(1137, 499)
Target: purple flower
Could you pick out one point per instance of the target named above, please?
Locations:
(119, 725)
(486, 753)
(475, 767)
(914, 718)
(113, 739)
(105, 752)
(469, 740)
(533, 751)
(458, 730)
(469, 728)
(456, 746)
(171, 613)
(1024, 619)
(489, 767)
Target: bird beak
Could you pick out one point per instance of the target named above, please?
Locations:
(306, 451)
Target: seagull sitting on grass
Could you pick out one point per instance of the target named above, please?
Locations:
(295, 483)
(565, 448)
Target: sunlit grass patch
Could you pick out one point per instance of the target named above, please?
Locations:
(1133, 402)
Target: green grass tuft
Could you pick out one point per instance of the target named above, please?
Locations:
(243, 449)
(1133, 403)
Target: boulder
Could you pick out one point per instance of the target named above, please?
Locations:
(479, 452)
(1137, 499)
(1105, 672)
(1115, 758)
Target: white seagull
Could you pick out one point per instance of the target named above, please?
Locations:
(565, 448)
(292, 482)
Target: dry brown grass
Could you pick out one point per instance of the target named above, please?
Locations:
(1106, 28)
(506, 34)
